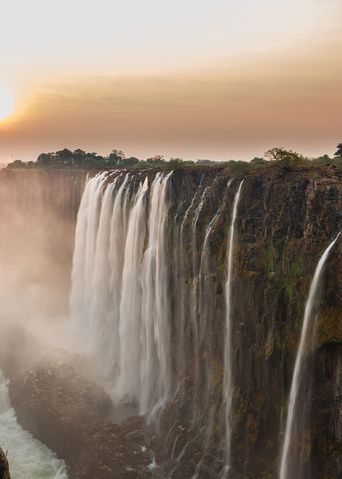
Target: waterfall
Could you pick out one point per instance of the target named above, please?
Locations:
(130, 305)
(228, 380)
(84, 252)
(155, 330)
(306, 341)
(120, 300)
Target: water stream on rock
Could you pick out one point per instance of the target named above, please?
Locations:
(227, 379)
(28, 458)
(307, 338)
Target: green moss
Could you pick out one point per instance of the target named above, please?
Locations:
(296, 268)
(329, 329)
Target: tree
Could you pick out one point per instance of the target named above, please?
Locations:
(78, 157)
(339, 150)
(204, 162)
(46, 159)
(115, 157)
(175, 163)
(156, 160)
(64, 157)
(128, 162)
(286, 159)
(16, 164)
(258, 161)
(322, 160)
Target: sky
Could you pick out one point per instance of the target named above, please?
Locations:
(218, 79)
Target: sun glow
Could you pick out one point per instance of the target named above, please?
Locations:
(6, 103)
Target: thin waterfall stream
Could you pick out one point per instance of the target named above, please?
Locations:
(228, 379)
(306, 341)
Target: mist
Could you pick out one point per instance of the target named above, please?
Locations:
(37, 222)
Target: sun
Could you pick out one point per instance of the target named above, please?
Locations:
(6, 103)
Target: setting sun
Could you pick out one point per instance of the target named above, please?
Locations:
(6, 103)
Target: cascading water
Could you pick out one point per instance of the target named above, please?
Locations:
(119, 300)
(155, 330)
(122, 298)
(228, 380)
(305, 344)
(151, 267)
(130, 305)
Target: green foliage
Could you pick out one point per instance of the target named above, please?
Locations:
(128, 162)
(322, 160)
(238, 167)
(175, 163)
(339, 150)
(205, 162)
(286, 159)
(280, 157)
(258, 161)
(156, 161)
(17, 164)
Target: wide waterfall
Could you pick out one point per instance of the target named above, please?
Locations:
(119, 298)
(126, 291)
(290, 465)
(186, 292)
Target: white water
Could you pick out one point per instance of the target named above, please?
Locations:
(28, 458)
(228, 380)
(306, 340)
(119, 300)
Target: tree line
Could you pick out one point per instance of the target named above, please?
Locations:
(116, 159)
(281, 157)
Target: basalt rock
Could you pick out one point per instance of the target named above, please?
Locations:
(4, 467)
(70, 415)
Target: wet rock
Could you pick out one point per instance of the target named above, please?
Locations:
(68, 414)
(4, 467)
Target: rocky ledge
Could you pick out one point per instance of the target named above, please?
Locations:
(4, 468)
(68, 413)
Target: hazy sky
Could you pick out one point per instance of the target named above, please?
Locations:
(198, 79)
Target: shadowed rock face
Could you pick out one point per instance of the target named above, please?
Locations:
(285, 221)
(4, 468)
(68, 414)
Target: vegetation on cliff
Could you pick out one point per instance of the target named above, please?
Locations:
(278, 157)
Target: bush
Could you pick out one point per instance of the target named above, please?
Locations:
(286, 159)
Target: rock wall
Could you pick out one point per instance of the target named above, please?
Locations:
(4, 468)
(285, 221)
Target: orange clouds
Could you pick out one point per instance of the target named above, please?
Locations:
(238, 110)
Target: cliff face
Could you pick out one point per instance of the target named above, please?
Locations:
(284, 222)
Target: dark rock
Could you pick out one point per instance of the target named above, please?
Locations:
(4, 467)
(68, 414)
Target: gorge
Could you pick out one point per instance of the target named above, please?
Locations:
(187, 297)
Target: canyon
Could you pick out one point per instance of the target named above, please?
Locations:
(187, 290)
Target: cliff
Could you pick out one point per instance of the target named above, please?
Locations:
(285, 220)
